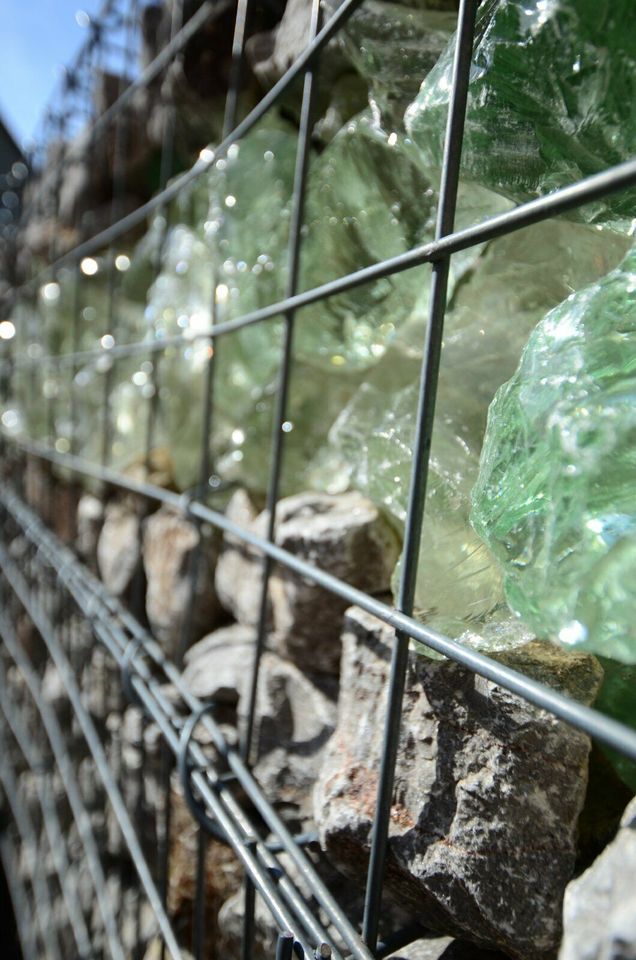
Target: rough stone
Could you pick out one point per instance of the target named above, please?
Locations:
(156, 950)
(444, 948)
(90, 517)
(599, 910)
(119, 548)
(54, 693)
(273, 52)
(101, 684)
(488, 791)
(215, 667)
(295, 717)
(345, 535)
(237, 578)
(174, 549)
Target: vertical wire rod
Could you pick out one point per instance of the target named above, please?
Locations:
(205, 461)
(165, 172)
(163, 851)
(285, 946)
(119, 186)
(238, 44)
(198, 927)
(282, 393)
(419, 469)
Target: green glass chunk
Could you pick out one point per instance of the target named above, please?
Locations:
(490, 317)
(392, 47)
(555, 499)
(552, 98)
(368, 200)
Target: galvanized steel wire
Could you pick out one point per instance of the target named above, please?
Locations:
(141, 661)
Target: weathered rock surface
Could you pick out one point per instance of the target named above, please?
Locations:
(223, 875)
(295, 717)
(237, 579)
(173, 550)
(216, 666)
(345, 535)
(273, 52)
(444, 948)
(54, 693)
(118, 548)
(90, 517)
(599, 910)
(101, 684)
(488, 792)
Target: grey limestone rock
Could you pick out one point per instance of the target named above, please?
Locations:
(118, 548)
(173, 550)
(237, 578)
(101, 684)
(90, 516)
(54, 693)
(488, 791)
(345, 535)
(295, 716)
(444, 948)
(216, 666)
(273, 52)
(599, 910)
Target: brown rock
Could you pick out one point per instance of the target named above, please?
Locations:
(90, 517)
(118, 548)
(488, 790)
(238, 570)
(295, 716)
(175, 550)
(217, 666)
(344, 535)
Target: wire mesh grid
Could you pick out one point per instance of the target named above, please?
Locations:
(47, 591)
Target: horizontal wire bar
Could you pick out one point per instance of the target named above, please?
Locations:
(608, 731)
(239, 842)
(19, 587)
(527, 214)
(208, 155)
(261, 875)
(30, 752)
(89, 593)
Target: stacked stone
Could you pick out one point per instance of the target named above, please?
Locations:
(489, 790)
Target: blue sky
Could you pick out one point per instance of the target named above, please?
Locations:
(36, 38)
